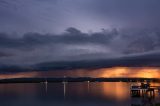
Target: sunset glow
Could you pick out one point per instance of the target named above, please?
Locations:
(131, 72)
(115, 72)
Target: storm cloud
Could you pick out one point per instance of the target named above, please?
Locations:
(36, 32)
(73, 45)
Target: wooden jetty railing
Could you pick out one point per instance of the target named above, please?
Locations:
(143, 89)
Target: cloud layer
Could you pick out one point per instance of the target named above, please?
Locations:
(73, 45)
(33, 31)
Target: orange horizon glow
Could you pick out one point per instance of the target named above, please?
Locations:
(132, 72)
(115, 72)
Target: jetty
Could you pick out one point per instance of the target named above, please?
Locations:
(144, 89)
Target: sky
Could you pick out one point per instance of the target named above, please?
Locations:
(42, 31)
(54, 16)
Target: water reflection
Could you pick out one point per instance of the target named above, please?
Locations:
(46, 86)
(118, 91)
(64, 89)
(68, 94)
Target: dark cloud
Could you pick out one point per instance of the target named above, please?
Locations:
(71, 36)
(2, 54)
(74, 45)
(151, 59)
(141, 60)
(136, 41)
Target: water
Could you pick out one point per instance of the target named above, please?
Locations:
(73, 94)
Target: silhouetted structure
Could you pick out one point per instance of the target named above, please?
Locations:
(142, 90)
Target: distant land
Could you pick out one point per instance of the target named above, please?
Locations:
(78, 79)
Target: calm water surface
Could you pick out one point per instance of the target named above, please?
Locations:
(73, 94)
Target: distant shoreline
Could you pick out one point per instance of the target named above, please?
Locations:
(78, 79)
